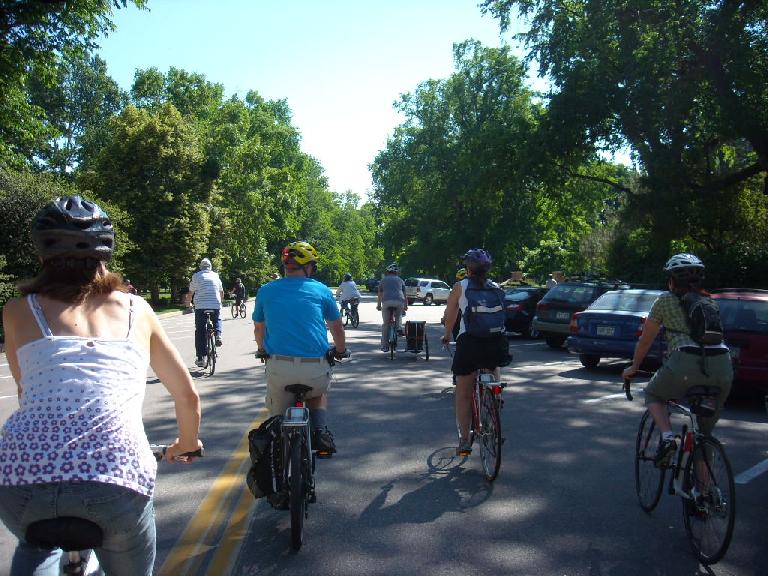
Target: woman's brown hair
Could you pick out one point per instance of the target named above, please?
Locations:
(72, 280)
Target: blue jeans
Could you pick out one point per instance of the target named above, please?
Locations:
(126, 517)
(201, 342)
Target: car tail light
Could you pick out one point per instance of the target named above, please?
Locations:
(514, 308)
(639, 331)
(542, 306)
(574, 325)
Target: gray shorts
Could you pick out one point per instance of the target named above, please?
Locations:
(285, 370)
(682, 371)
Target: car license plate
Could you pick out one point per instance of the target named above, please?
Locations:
(563, 315)
(605, 330)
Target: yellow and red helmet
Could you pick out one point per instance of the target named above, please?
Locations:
(461, 273)
(299, 252)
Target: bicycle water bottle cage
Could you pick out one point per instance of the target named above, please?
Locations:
(66, 532)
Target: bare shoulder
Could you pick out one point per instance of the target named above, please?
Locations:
(15, 307)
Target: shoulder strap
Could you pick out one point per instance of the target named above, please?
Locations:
(37, 312)
(130, 315)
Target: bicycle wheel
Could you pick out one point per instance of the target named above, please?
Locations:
(355, 318)
(709, 518)
(210, 362)
(426, 347)
(234, 310)
(649, 477)
(490, 435)
(392, 342)
(346, 317)
(243, 310)
(297, 482)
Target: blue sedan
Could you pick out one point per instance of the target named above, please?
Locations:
(611, 326)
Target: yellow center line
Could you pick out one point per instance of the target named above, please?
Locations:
(203, 531)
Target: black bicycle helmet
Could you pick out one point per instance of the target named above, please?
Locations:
(347, 277)
(71, 227)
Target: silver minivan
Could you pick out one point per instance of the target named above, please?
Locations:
(426, 290)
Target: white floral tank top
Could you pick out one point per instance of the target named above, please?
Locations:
(80, 412)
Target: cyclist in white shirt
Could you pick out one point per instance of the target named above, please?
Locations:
(347, 293)
(205, 293)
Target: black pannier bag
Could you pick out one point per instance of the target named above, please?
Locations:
(414, 335)
(264, 446)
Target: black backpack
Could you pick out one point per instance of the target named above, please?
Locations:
(264, 476)
(484, 315)
(703, 318)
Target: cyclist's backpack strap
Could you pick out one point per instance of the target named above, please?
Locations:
(131, 310)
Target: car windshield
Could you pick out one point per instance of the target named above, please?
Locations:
(746, 315)
(574, 294)
(517, 295)
(625, 301)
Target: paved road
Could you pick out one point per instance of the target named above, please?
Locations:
(396, 501)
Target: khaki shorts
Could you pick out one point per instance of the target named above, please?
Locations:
(285, 370)
(682, 371)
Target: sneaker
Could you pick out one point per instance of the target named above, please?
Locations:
(324, 443)
(200, 363)
(666, 450)
(464, 449)
(218, 341)
(385, 348)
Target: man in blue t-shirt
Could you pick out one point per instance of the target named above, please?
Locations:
(291, 320)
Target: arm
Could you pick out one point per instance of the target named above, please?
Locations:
(337, 333)
(9, 319)
(169, 368)
(451, 312)
(378, 297)
(650, 331)
(258, 335)
(405, 298)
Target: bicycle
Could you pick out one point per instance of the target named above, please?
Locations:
(392, 332)
(298, 455)
(700, 474)
(238, 309)
(350, 312)
(77, 537)
(486, 419)
(210, 339)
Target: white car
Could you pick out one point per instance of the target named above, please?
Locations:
(426, 290)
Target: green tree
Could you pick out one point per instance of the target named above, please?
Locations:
(152, 168)
(35, 34)
(685, 86)
(80, 101)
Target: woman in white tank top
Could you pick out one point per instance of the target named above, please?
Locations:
(79, 347)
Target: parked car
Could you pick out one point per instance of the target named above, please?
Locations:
(554, 311)
(744, 316)
(372, 284)
(426, 290)
(611, 326)
(520, 307)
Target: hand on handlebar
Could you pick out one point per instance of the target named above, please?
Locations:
(378, 307)
(629, 372)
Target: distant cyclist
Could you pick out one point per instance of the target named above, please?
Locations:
(347, 293)
(685, 365)
(391, 295)
(205, 293)
(473, 352)
(238, 291)
(291, 321)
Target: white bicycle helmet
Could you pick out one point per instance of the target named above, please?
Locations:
(393, 268)
(685, 267)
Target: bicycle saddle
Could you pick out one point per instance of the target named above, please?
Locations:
(698, 391)
(66, 532)
(298, 388)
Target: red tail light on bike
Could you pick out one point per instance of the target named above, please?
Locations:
(497, 390)
(688, 446)
(299, 404)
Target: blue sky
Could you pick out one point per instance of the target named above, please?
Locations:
(340, 64)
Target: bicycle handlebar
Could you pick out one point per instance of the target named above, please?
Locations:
(159, 451)
(627, 381)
